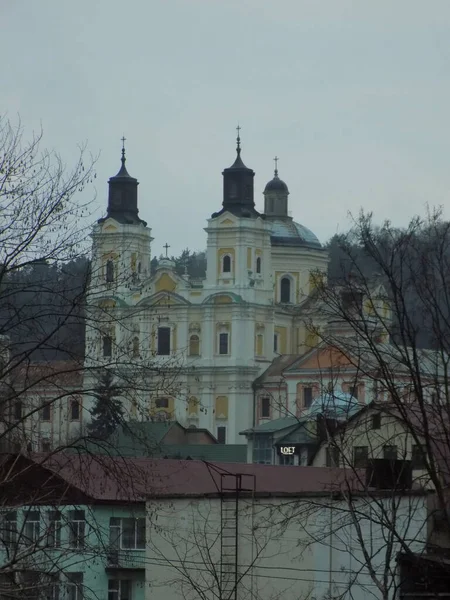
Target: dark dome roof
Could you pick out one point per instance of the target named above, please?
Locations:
(276, 185)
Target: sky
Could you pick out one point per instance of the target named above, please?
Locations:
(353, 96)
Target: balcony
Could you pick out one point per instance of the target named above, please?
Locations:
(125, 560)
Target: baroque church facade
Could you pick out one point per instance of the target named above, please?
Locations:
(189, 349)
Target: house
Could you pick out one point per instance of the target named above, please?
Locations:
(294, 440)
(210, 530)
(62, 538)
(382, 434)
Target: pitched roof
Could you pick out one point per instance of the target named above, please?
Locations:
(272, 426)
(210, 452)
(276, 368)
(107, 479)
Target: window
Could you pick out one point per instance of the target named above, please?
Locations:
(135, 350)
(360, 456)
(77, 526)
(119, 589)
(139, 268)
(287, 460)
(418, 457)
(262, 449)
(307, 397)
(46, 445)
(390, 452)
(74, 409)
(54, 529)
(46, 413)
(31, 527)
(127, 533)
(74, 586)
(109, 271)
(162, 403)
(353, 391)
(376, 421)
(226, 264)
(265, 408)
(221, 434)
(194, 345)
(285, 290)
(164, 341)
(18, 409)
(332, 457)
(223, 343)
(258, 264)
(8, 529)
(275, 342)
(107, 346)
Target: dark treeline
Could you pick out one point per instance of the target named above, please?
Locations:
(52, 296)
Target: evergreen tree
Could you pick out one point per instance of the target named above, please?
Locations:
(108, 410)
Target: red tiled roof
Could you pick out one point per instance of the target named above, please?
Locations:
(134, 479)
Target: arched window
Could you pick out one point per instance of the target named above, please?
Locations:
(135, 352)
(226, 264)
(109, 271)
(285, 290)
(194, 345)
(258, 264)
(107, 345)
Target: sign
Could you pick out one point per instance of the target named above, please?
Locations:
(287, 450)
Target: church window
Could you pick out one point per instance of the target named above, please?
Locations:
(258, 264)
(285, 290)
(194, 345)
(222, 434)
(107, 346)
(136, 352)
(74, 410)
(226, 264)
(162, 403)
(223, 343)
(139, 268)
(275, 342)
(109, 271)
(164, 340)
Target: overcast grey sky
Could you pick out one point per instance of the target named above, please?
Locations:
(353, 96)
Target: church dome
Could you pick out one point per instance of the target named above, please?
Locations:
(338, 405)
(276, 185)
(286, 232)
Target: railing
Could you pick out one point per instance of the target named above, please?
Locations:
(125, 559)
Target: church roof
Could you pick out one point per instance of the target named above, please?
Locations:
(286, 232)
(276, 185)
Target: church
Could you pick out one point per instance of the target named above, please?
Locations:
(190, 350)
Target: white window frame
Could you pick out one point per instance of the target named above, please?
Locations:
(32, 526)
(77, 530)
(116, 584)
(119, 531)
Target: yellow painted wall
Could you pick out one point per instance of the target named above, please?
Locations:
(222, 407)
(165, 283)
(249, 258)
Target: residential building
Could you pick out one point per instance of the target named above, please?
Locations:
(142, 528)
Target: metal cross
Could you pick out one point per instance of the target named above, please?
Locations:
(238, 129)
(124, 139)
(276, 159)
(167, 248)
